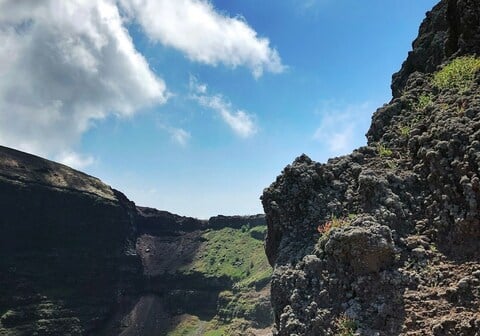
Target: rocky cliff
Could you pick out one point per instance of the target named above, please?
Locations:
(385, 241)
(67, 248)
(78, 258)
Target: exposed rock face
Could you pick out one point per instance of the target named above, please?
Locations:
(78, 258)
(451, 29)
(157, 222)
(385, 241)
(235, 222)
(66, 248)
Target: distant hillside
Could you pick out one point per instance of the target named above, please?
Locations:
(78, 258)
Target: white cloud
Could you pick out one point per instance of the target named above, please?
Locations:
(205, 35)
(177, 135)
(75, 160)
(241, 122)
(180, 136)
(339, 129)
(66, 64)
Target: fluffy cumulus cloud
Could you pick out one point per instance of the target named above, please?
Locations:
(203, 34)
(339, 130)
(66, 64)
(242, 123)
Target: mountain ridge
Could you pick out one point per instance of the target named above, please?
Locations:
(78, 257)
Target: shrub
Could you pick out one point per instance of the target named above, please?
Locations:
(459, 74)
(391, 164)
(335, 222)
(423, 101)
(346, 326)
(384, 151)
(404, 130)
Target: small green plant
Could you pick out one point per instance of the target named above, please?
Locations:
(459, 74)
(424, 101)
(352, 216)
(444, 106)
(461, 106)
(384, 151)
(335, 222)
(404, 130)
(345, 326)
(391, 164)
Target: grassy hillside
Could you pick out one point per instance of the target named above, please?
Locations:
(236, 254)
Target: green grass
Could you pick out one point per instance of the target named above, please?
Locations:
(232, 253)
(404, 130)
(258, 232)
(384, 151)
(235, 305)
(239, 255)
(219, 332)
(424, 101)
(188, 326)
(458, 74)
(391, 164)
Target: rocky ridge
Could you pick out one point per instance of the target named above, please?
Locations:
(384, 241)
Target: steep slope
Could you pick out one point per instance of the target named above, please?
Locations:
(385, 241)
(212, 276)
(78, 258)
(66, 248)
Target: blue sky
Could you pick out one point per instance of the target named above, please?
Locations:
(216, 129)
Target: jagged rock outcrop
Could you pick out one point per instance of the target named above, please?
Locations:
(451, 29)
(385, 241)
